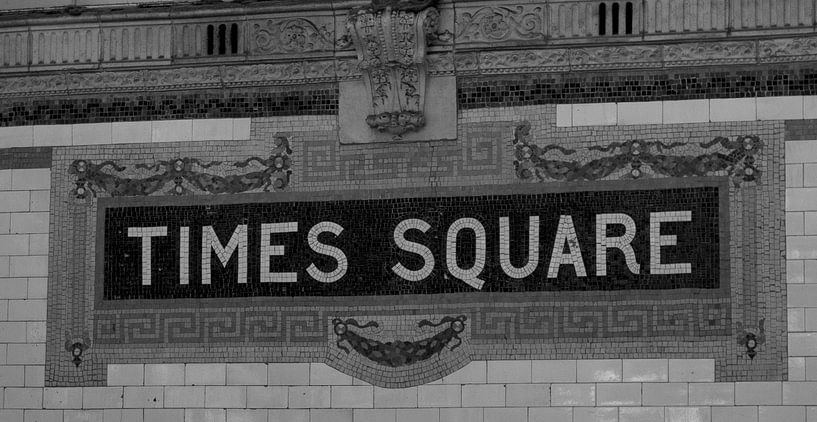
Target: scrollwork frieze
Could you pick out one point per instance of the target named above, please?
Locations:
(615, 57)
(703, 53)
(501, 23)
(789, 49)
(199, 77)
(279, 73)
(524, 60)
(292, 36)
(466, 63)
(347, 68)
(26, 85)
(440, 64)
(108, 81)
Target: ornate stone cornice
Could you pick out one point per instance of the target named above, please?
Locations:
(638, 56)
(298, 71)
(163, 35)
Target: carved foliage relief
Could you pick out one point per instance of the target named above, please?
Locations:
(491, 24)
(708, 53)
(804, 48)
(391, 48)
(505, 61)
(593, 57)
(295, 35)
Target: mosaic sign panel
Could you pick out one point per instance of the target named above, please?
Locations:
(358, 269)
(232, 254)
(524, 242)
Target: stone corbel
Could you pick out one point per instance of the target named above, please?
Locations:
(391, 38)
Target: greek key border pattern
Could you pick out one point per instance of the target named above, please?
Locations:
(611, 321)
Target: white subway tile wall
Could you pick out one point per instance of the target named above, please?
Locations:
(688, 111)
(125, 133)
(569, 390)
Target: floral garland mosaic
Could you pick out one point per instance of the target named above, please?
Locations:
(399, 353)
(636, 159)
(186, 175)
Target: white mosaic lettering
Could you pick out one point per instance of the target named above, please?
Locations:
(657, 240)
(184, 255)
(505, 248)
(268, 250)
(324, 249)
(146, 233)
(210, 242)
(413, 247)
(470, 275)
(621, 243)
(566, 233)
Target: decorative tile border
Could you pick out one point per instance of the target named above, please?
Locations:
(34, 104)
(541, 86)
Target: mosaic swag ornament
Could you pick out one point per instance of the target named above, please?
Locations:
(187, 175)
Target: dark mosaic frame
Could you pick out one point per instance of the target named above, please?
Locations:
(605, 324)
(368, 219)
(643, 85)
(473, 91)
(213, 103)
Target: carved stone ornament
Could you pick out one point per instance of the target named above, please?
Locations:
(501, 23)
(293, 35)
(391, 39)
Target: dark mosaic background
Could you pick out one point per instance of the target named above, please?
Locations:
(367, 241)
(168, 105)
(642, 85)
(472, 92)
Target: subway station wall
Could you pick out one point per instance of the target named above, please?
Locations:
(336, 257)
(670, 278)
